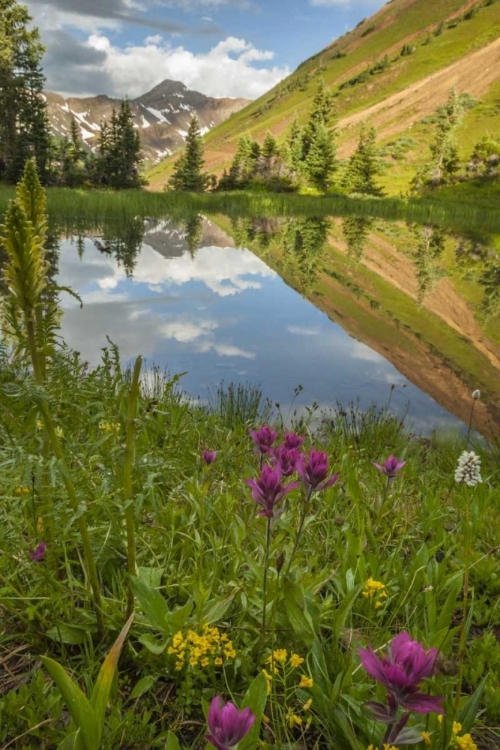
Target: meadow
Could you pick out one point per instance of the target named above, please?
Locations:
(333, 577)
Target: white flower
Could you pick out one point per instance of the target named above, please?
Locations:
(468, 470)
(476, 394)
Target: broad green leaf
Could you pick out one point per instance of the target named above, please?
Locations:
(102, 688)
(172, 742)
(448, 608)
(151, 576)
(70, 634)
(72, 742)
(215, 611)
(468, 714)
(142, 687)
(255, 699)
(152, 604)
(177, 618)
(79, 707)
(153, 644)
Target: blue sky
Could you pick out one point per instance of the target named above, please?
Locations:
(219, 47)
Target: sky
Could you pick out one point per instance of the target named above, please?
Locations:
(236, 48)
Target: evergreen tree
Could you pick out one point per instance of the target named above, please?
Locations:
(363, 166)
(188, 173)
(269, 147)
(317, 138)
(127, 149)
(295, 146)
(24, 126)
(444, 161)
(320, 162)
(355, 230)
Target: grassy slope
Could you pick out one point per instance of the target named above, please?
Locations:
(398, 22)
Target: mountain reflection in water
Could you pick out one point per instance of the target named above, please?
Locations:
(345, 307)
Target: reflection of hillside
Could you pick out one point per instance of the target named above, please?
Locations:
(170, 239)
(430, 333)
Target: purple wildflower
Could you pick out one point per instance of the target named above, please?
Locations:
(390, 467)
(313, 471)
(263, 438)
(401, 671)
(292, 440)
(209, 456)
(38, 554)
(227, 726)
(286, 459)
(268, 490)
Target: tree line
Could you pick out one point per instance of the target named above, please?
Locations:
(24, 123)
(307, 156)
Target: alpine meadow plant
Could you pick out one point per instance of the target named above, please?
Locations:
(405, 664)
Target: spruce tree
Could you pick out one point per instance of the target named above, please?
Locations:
(188, 175)
(24, 126)
(363, 167)
(294, 146)
(318, 136)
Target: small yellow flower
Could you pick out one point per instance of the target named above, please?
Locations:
(307, 705)
(427, 739)
(22, 491)
(205, 661)
(457, 727)
(440, 718)
(218, 661)
(280, 655)
(178, 665)
(306, 682)
(389, 747)
(465, 742)
(378, 604)
(268, 676)
(294, 720)
(296, 661)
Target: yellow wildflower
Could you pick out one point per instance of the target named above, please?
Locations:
(465, 742)
(293, 719)
(373, 588)
(218, 661)
(205, 661)
(178, 665)
(296, 661)
(307, 705)
(280, 655)
(109, 427)
(22, 491)
(306, 682)
(427, 739)
(378, 604)
(457, 727)
(389, 747)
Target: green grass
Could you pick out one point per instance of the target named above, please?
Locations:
(80, 208)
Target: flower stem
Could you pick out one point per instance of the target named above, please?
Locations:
(266, 568)
(470, 424)
(127, 481)
(465, 602)
(299, 530)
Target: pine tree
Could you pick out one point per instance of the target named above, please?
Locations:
(317, 138)
(128, 149)
(188, 175)
(24, 126)
(295, 146)
(363, 168)
(269, 147)
(444, 161)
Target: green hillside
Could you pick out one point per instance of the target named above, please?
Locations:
(393, 70)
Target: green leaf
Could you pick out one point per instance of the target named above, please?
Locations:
(142, 687)
(344, 609)
(153, 644)
(79, 707)
(448, 609)
(102, 688)
(72, 742)
(214, 612)
(468, 714)
(151, 576)
(296, 609)
(172, 742)
(70, 634)
(255, 699)
(152, 604)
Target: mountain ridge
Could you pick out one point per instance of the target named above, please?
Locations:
(161, 115)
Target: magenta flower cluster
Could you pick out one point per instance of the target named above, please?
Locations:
(285, 460)
(226, 725)
(400, 670)
(391, 467)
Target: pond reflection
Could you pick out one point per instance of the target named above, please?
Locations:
(345, 307)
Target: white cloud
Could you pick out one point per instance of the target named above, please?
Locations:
(228, 69)
(303, 331)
